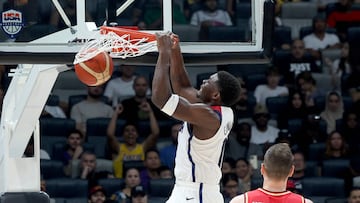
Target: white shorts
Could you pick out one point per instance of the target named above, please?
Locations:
(188, 192)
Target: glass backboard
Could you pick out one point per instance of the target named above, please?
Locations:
(52, 31)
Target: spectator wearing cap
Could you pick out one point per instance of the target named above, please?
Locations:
(97, 194)
(139, 195)
(262, 133)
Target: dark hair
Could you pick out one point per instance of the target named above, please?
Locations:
(76, 131)
(229, 176)
(272, 70)
(229, 87)
(151, 150)
(231, 162)
(242, 159)
(278, 161)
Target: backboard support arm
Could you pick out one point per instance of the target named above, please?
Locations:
(22, 106)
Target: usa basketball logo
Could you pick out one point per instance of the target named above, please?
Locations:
(12, 22)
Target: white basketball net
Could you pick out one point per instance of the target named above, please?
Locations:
(117, 46)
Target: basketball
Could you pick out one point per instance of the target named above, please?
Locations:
(95, 71)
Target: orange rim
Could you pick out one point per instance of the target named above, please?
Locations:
(132, 31)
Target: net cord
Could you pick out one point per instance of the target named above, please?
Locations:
(117, 46)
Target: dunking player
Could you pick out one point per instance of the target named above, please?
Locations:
(207, 122)
(276, 169)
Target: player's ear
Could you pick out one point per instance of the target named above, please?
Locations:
(291, 171)
(262, 169)
(216, 96)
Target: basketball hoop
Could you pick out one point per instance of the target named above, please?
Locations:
(119, 43)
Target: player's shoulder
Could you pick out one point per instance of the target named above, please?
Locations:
(238, 199)
(308, 201)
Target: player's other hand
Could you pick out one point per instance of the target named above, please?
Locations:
(175, 41)
(164, 41)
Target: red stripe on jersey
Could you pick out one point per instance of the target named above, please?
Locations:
(216, 108)
(262, 196)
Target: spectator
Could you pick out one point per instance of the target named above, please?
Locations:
(310, 132)
(271, 89)
(191, 6)
(319, 39)
(353, 86)
(295, 109)
(152, 164)
(239, 145)
(262, 133)
(165, 172)
(167, 154)
(297, 63)
(29, 150)
(350, 129)
(230, 185)
(354, 196)
(97, 194)
(343, 17)
(243, 108)
(244, 172)
(339, 67)
(92, 107)
(131, 180)
(88, 169)
(72, 150)
(134, 107)
(52, 110)
(336, 147)
(299, 170)
(210, 15)
(228, 165)
(122, 87)
(308, 87)
(153, 18)
(334, 109)
(130, 150)
(139, 195)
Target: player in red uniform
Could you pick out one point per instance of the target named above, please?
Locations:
(276, 169)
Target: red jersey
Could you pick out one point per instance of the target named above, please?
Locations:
(263, 196)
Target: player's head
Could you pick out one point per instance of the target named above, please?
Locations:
(229, 87)
(221, 88)
(278, 162)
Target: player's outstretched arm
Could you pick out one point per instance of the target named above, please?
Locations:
(200, 115)
(180, 81)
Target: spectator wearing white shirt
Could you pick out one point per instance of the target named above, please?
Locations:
(210, 16)
(262, 133)
(121, 88)
(272, 88)
(319, 39)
